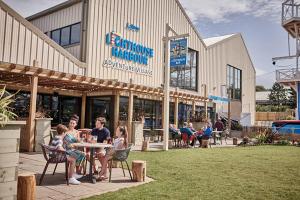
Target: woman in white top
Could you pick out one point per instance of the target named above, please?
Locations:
(121, 142)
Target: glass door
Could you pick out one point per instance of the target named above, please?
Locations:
(100, 107)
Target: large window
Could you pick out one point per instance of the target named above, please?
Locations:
(234, 80)
(151, 110)
(185, 77)
(67, 35)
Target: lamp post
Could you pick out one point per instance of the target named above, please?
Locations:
(205, 102)
(166, 98)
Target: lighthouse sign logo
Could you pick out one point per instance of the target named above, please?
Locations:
(178, 52)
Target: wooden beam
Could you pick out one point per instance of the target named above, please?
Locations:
(130, 116)
(83, 110)
(176, 111)
(38, 71)
(32, 111)
(116, 109)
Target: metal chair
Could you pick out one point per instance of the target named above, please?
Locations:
(54, 156)
(121, 156)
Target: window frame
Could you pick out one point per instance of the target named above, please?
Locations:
(70, 35)
(234, 82)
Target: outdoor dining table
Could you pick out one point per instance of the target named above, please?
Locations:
(214, 133)
(92, 147)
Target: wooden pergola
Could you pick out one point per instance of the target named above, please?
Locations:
(43, 80)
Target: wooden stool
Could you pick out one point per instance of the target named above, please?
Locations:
(170, 144)
(26, 186)
(205, 143)
(234, 141)
(139, 170)
(145, 145)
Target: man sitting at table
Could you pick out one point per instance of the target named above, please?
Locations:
(191, 137)
(102, 134)
(205, 134)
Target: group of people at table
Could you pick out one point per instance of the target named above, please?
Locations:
(192, 135)
(67, 137)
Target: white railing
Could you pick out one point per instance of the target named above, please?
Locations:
(290, 9)
(287, 74)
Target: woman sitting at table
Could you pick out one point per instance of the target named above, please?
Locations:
(121, 142)
(186, 130)
(57, 143)
(72, 136)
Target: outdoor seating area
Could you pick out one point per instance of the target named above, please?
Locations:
(54, 185)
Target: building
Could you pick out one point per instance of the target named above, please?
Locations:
(262, 98)
(106, 58)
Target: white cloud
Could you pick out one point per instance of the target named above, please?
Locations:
(220, 10)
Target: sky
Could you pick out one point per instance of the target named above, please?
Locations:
(259, 22)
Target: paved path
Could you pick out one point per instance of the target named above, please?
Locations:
(158, 146)
(55, 187)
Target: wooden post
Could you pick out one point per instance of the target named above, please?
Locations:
(205, 102)
(176, 111)
(32, 111)
(193, 108)
(145, 145)
(26, 187)
(116, 109)
(130, 115)
(139, 170)
(83, 110)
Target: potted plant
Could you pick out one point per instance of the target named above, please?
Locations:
(42, 128)
(9, 140)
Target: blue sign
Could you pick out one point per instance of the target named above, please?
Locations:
(132, 27)
(178, 52)
(128, 50)
(217, 98)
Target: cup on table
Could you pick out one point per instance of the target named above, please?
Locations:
(82, 140)
(95, 138)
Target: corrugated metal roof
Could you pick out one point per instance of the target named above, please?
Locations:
(214, 40)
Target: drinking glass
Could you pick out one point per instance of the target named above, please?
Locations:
(95, 138)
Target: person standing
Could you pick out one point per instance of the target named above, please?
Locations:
(219, 125)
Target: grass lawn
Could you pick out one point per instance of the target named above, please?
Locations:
(263, 172)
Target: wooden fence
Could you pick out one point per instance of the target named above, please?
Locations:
(271, 116)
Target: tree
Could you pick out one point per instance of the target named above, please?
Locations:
(292, 99)
(278, 95)
(260, 88)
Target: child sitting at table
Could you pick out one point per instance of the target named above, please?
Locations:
(121, 142)
(57, 143)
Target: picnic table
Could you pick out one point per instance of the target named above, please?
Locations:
(92, 147)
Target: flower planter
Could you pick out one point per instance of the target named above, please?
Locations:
(42, 132)
(9, 158)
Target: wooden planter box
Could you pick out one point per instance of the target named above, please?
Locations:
(42, 132)
(9, 159)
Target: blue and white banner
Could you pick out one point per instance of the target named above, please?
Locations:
(218, 99)
(178, 52)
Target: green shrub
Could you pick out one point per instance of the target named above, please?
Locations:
(6, 112)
